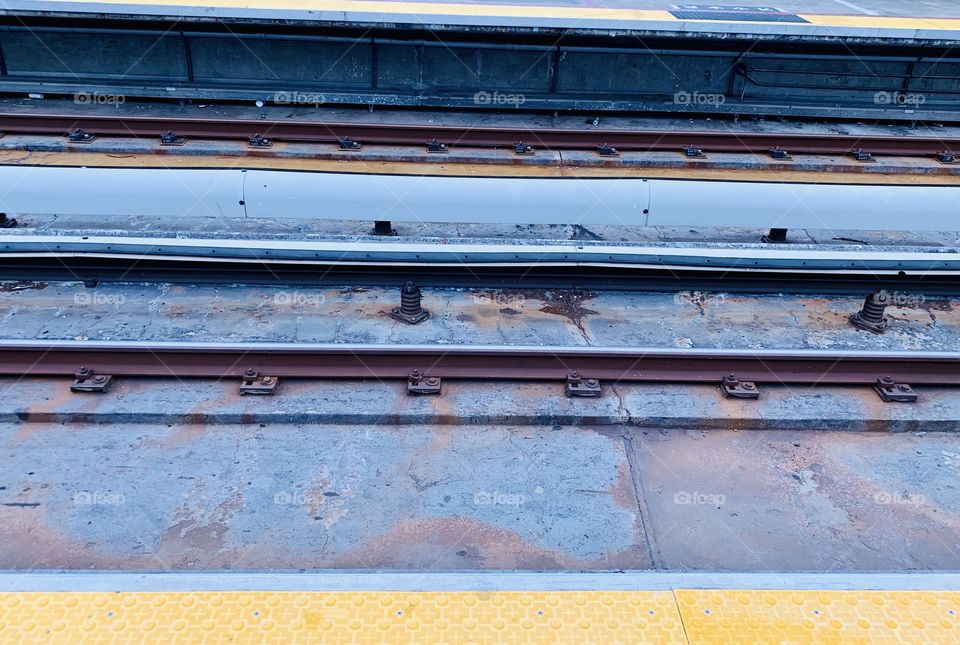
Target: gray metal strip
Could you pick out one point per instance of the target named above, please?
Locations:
(742, 258)
(342, 581)
(453, 350)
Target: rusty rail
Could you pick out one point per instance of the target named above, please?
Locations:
(464, 135)
(214, 360)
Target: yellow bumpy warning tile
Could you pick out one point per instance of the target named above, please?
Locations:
(604, 618)
(800, 617)
(685, 616)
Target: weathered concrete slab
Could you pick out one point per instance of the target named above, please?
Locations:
(818, 502)
(288, 496)
(497, 317)
(466, 404)
(241, 497)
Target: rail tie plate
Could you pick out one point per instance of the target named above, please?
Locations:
(291, 360)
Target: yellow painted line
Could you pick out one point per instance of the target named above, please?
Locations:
(437, 169)
(426, 9)
(841, 617)
(367, 617)
(693, 617)
(882, 22)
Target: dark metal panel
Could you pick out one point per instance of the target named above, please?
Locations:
(457, 67)
(644, 73)
(884, 82)
(313, 63)
(515, 70)
(449, 68)
(469, 68)
(398, 67)
(94, 55)
(937, 77)
(807, 78)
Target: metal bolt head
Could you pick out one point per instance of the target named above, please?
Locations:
(903, 387)
(748, 386)
(881, 298)
(267, 380)
(99, 378)
(251, 372)
(433, 380)
(592, 383)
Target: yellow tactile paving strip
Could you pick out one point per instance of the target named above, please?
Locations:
(842, 617)
(368, 617)
(586, 14)
(684, 616)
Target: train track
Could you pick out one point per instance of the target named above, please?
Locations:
(215, 360)
(586, 138)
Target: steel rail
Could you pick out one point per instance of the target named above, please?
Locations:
(465, 135)
(215, 360)
(676, 256)
(804, 261)
(94, 270)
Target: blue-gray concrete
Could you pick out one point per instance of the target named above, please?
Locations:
(196, 496)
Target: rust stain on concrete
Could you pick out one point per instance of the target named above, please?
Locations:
(451, 543)
(565, 302)
(196, 533)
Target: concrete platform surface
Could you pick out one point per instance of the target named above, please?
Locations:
(817, 18)
(465, 404)
(193, 496)
(551, 317)
(885, 8)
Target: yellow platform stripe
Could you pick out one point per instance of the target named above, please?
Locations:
(367, 617)
(883, 22)
(425, 9)
(842, 617)
(684, 616)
